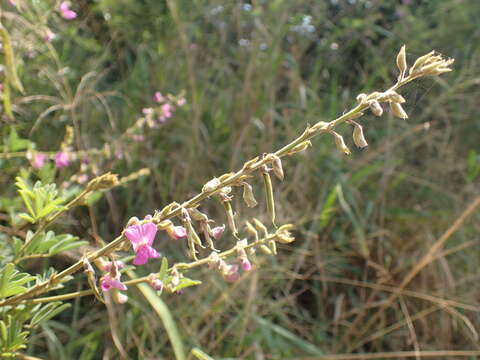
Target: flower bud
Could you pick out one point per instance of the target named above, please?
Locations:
(218, 231)
(393, 96)
(398, 111)
(155, 282)
(277, 167)
(211, 185)
(358, 137)
(361, 98)
(402, 63)
(119, 298)
(340, 143)
(375, 107)
(248, 196)
(300, 147)
(176, 232)
(246, 264)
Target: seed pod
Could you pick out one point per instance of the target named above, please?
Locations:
(267, 181)
(206, 230)
(340, 143)
(260, 226)
(273, 246)
(402, 63)
(251, 229)
(300, 147)
(11, 69)
(358, 137)
(266, 249)
(277, 167)
(398, 111)
(92, 281)
(376, 108)
(230, 217)
(393, 96)
(248, 196)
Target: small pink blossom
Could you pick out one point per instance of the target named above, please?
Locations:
(246, 264)
(38, 160)
(155, 282)
(61, 159)
(107, 265)
(158, 97)
(218, 231)
(147, 111)
(166, 112)
(231, 273)
(49, 35)
(82, 179)
(107, 282)
(141, 238)
(176, 232)
(66, 12)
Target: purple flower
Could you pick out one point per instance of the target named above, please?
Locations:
(176, 232)
(38, 160)
(155, 282)
(61, 159)
(246, 264)
(230, 273)
(66, 12)
(158, 97)
(166, 112)
(107, 282)
(49, 35)
(141, 237)
(218, 231)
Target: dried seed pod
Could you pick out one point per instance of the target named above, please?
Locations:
(340, 143)
(421, 61)
(375, 107)
(358, 137)
(277, 166)
(197, 215)
(230, 217)
(402, 63)
(267, 181)
(207, 232)
(248, 196)
(273, 246)
(398, 111)
(92, 281)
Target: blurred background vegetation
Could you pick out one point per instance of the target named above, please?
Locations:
(255, 74)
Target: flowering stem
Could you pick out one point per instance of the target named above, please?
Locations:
(318, 129)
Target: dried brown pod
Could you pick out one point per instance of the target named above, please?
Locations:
(402, 63)
(358, 137)
(398, 111)
(248, 196)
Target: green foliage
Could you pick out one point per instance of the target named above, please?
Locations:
(12, 281)
(49, 243)
(40, 200)
(12, 337)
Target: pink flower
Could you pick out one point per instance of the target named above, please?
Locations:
(176, 232)
(66, 12)
(141, 237)
(230, 273)
(166, 112)
(147, 111)
(155, 282)
(38, 160)
(158, 97)
(246, 264)
(107, 282)
(49, 35)
(61, 159)
(218, 231)
(82, 179)
(107, 265)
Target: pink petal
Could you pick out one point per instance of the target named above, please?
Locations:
(142, 256)
(149, 231)
(152, 253)
(133, 233)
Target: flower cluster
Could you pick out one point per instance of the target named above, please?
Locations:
(164, 109)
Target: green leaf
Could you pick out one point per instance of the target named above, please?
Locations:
(328, 208)
(162, 274)
(11, 281)
(47, 312)
(186, 282)
(9, 58)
